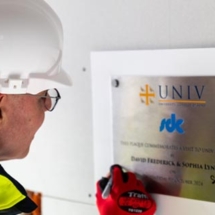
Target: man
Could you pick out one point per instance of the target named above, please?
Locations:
(31, 40)
(21, 115)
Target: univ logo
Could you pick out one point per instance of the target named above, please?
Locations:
(147, 94)
(164, 94)
(172, 124)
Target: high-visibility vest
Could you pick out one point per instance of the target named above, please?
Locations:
(13, 197)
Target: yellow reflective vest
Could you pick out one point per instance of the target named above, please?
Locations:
(13, 197)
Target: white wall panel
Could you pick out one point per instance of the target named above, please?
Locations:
(56, 207)
(192, 23)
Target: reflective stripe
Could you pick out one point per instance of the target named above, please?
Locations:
(9, 194)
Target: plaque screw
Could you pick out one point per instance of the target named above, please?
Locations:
(115, 83)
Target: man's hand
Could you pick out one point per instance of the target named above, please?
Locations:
(123, 194)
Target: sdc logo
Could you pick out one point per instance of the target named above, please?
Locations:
(172, 124)
(134, 202)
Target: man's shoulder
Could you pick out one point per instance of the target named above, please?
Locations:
(13, 196)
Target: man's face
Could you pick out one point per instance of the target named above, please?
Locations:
(21, 117)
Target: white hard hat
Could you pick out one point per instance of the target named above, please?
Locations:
(31, 42)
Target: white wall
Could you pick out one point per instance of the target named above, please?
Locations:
(60, 163)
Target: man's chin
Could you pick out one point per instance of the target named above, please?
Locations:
(23, 155)
(14, 155)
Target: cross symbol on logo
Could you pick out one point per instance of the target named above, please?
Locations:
(147, 93)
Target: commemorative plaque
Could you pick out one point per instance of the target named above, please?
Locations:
(164, 129)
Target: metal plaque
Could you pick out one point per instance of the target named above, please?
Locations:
(164, 129)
